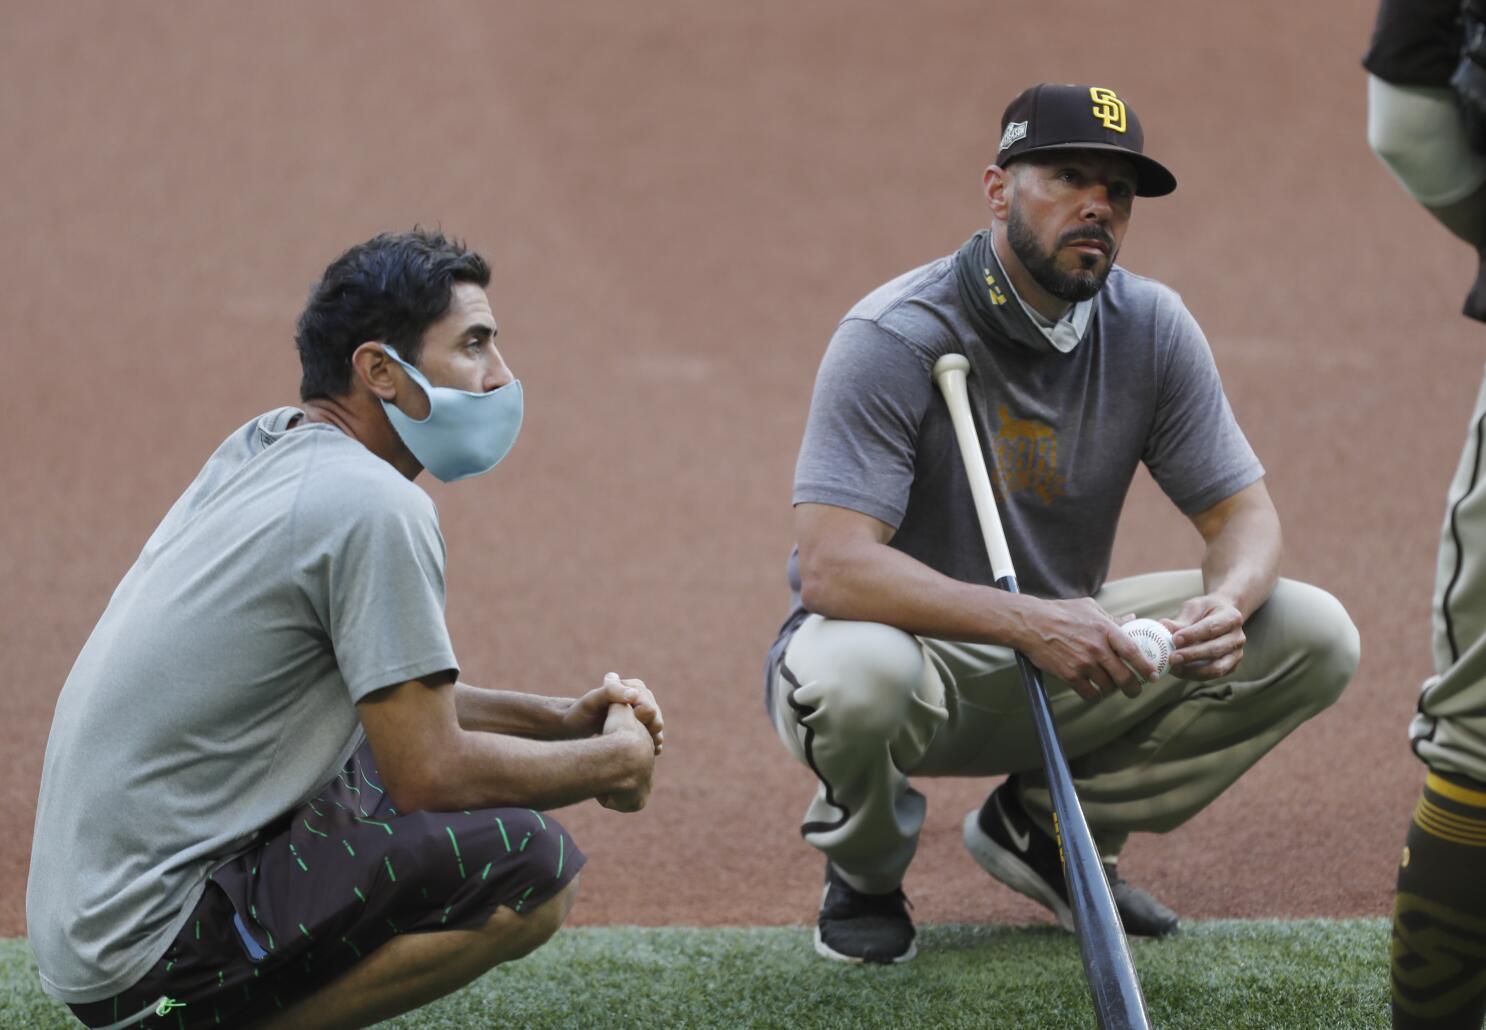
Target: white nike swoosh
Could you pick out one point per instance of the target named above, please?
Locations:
(1021, 840)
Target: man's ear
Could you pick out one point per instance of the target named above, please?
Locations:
(373, 368)
(998, 188)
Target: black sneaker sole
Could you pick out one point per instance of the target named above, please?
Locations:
(1005, 866)
(824, 950)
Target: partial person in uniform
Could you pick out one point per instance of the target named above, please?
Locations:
(898, 657)
(266, 797)
(1426, 114)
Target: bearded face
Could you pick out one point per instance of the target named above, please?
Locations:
(1065, 270)
(1066, 214)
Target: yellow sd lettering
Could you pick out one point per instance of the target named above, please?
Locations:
(1108, 108)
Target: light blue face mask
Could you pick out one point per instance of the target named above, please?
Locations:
(465, 434)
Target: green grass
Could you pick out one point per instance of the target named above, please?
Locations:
(1326, 974)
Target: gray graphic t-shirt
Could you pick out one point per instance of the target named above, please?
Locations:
(297, 574)
(1065, 431)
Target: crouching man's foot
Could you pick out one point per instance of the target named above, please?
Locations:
(1015, 850)
(858, 927)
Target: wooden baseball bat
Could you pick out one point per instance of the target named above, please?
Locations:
(1118, 1004)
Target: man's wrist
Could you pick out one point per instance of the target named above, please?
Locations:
(1223, 595)
(561, 726)
(1010, 624)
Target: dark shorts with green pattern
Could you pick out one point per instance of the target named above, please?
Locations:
(330, 883)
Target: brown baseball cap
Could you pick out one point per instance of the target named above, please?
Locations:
(1051, 116)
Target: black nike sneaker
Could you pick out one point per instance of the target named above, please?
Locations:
(1006, 843)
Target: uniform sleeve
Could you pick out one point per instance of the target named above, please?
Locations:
(870, 395)
(1196, 451)
(1415, 42)
(385, 593)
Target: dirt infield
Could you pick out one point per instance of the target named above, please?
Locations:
(679, 205)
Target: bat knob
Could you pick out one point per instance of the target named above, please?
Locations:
(951, 363)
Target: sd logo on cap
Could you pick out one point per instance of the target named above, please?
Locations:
(1050, 117)
(1108, 108)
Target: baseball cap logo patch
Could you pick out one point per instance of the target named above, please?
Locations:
(1108, 108)
(1053, 116)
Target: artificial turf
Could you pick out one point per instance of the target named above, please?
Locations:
(1227, 975)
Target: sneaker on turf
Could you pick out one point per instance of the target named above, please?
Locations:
(1142, 914)
(859, 927)
(1006, 843)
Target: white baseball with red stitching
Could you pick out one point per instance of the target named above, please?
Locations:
(1153, 639)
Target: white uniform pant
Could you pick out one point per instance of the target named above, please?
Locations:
(866, 706)
(1449, 732)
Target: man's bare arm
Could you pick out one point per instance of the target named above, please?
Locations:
(848, 571)
(428, 760)
(1239, 569)
(508, 711)
(556, 718)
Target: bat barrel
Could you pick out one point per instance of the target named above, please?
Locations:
(1108, 966)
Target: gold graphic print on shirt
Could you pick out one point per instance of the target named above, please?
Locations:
(1027, 457)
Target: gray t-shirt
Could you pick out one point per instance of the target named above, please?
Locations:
(296, 575)
(1063, 432)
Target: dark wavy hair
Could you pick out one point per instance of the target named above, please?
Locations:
(390, 288)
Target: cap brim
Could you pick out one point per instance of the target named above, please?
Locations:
(1152, 178)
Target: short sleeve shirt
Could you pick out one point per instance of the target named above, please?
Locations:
(1064, 432)
(296, 575)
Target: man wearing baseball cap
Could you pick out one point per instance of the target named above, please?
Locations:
(898, 656)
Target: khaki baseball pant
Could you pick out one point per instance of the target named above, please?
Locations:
(866, 706)
(1449, 731)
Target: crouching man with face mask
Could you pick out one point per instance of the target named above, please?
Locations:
(266, 798)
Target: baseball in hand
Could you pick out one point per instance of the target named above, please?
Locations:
(1153, 639)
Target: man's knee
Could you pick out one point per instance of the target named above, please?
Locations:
(517, 934)
(854, 678)
(547, 918)
(1317, 630)
(491, 858)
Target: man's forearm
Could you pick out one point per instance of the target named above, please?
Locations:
(1242, 560)
(507, 711)
(878, 583)
(489, 770)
